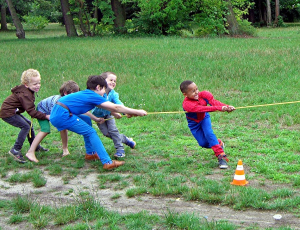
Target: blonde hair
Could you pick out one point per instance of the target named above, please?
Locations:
(27, 75)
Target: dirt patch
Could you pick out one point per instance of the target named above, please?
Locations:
(55, 193)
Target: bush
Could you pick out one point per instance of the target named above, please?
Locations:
(36, 22)
(246, 28)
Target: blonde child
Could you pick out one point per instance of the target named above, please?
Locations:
(196, 106)
(46, 106)
(21, 100)
(108, 126)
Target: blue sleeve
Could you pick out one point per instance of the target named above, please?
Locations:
(113, 97)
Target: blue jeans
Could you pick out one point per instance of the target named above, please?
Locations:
(23, 123)
(203, 132)
(61, 119)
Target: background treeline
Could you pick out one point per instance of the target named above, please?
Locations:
(189, 18)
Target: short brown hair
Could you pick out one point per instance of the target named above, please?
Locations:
(68, 87)
(27, 75)
(184, 85)
(95, 80)
(105, 74)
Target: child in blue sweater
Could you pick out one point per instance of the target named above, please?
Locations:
(108, 126)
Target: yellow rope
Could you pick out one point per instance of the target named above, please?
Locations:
(243, 107)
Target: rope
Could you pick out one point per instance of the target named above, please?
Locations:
(242, 107)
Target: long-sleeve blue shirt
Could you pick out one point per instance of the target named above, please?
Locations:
(113, 97)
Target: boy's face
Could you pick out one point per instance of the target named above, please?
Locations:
(34, 84)
(192, 92)
(111, 81)
(102, 91)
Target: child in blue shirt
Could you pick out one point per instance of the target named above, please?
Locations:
(108, 126)
(64, 115)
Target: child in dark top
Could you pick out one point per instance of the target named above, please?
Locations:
(46, 106)
(21, 100)
(196, 106)
(108, 127)
(64, 115)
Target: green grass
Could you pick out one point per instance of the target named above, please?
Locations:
(167, 161)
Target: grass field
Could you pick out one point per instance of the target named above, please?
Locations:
(167, 164)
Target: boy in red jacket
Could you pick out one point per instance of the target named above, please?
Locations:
(196, 106)
(21, 100)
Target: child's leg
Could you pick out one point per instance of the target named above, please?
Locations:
(64, 140)
(37, 140)
(23, 123)
(114, 134)
(211, 137)
(91, 139)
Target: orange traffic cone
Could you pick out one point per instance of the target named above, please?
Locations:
(239, 177)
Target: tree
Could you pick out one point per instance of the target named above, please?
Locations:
(276, 12)
(68, 19)
(20, 33)
(120, 13)
(233, 25)
(269, 17)
(3, 18)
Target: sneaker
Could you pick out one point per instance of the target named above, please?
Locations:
(17, 155)
(131, 143)
(91, 157)
(113, 164)
(41, 149)
(119, 153)
(222, 162)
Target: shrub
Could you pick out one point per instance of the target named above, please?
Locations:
(246, 28)
(36, 22)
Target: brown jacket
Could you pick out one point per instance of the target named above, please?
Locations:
(21, 100)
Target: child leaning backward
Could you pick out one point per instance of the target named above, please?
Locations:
(21, 100)
(196, 106)
(46, 106)
(64, 115)
(108, 126)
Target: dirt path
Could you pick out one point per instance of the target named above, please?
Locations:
(56, 192)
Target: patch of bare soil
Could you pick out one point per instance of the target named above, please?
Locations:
(56, 193)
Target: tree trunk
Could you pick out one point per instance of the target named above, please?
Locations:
(3, 18)
(269, 17)
(276, 12)
(120, 13)
(233, 25)
(20, 33)
(260, 10)
(68, 19)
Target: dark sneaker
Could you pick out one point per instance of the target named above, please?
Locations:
(119, 154)
(17, 155)
(41, 149)
(131, 143)
(222, 163)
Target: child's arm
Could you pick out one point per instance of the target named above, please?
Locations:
(122, 109)
(94, 118)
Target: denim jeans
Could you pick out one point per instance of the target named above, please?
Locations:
(61, 119)
(110, 130)
(204, 133)
(23, 123)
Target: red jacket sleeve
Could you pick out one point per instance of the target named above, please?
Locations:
(199, 106)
